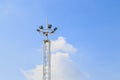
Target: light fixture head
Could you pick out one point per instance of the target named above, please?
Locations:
(41, 27)
(38, 30)
(49, 26)
(52, 32)
(44, 32)
(55, 28)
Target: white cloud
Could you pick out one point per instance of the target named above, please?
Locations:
(62, 65)
(61, 45)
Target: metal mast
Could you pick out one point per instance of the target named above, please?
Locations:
(46, 50)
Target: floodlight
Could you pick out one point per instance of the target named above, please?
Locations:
(41, 27)
(44, 32)
(55, 28)
(49, 26)
(52, 32)
(38, 30)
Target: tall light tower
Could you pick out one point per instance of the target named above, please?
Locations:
(46, 50)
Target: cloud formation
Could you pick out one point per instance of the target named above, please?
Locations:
(61, 45)
(62, 65)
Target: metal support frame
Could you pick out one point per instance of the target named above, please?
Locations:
(46, 60)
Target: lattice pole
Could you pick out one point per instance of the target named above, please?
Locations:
(46, 60)
(46, 50)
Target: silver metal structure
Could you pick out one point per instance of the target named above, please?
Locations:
(46, 50)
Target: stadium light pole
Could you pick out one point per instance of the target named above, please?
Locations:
(46, 50)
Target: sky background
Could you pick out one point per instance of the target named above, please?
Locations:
(91, 26)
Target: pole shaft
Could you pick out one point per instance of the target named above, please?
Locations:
(46, 60)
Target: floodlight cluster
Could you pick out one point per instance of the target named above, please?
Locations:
(46, 31)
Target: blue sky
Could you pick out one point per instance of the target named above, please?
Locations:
(91, 26)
